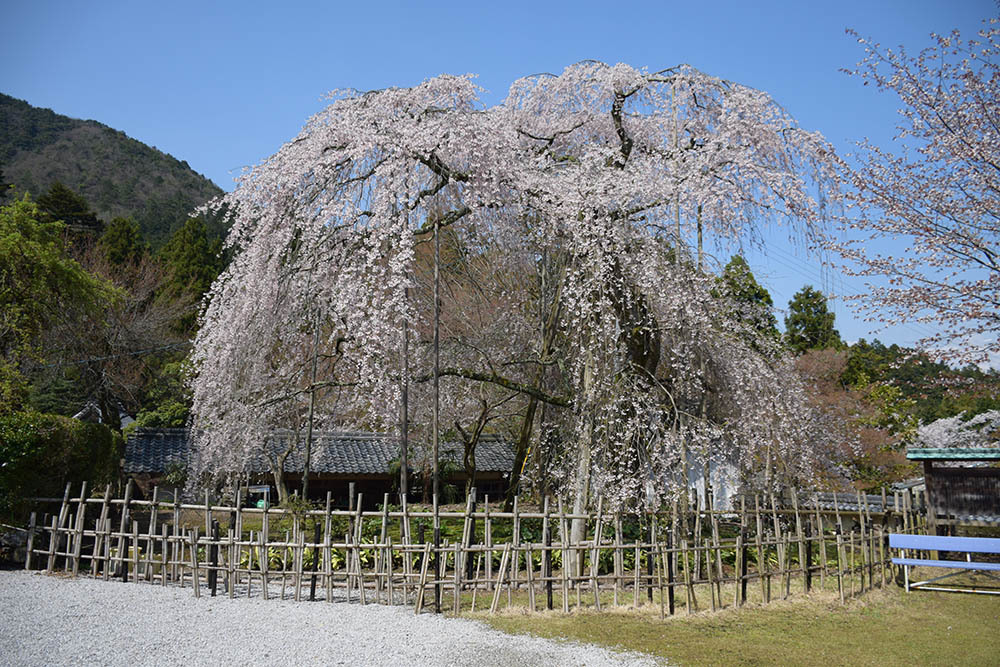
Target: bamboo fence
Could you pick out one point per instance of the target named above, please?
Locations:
(682, 561)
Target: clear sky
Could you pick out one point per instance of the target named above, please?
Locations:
(223, 84)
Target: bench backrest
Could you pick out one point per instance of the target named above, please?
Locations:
(979, 545)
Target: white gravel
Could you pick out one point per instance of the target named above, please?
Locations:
(48, 620)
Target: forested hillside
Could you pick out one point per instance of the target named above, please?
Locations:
(116, 174)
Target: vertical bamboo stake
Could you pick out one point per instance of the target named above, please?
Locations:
(618, 560)
(57, 524)
(691, 601)
(81, 512)
(763, 571)
(31, 540)
(822, 545)
(563, 536)
(531, 583)
(708, 573)
(596, 554)
(98, 536)
(635, 571)
(840, 566)
(456, 607)
(803, 566)
(546, 554)
(194, 563)
(504, 559)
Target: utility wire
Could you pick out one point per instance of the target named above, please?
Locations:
(136, 353)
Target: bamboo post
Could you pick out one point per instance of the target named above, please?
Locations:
(530, 566)
(81, 512)
(739, 570)
(708, 573)
(840, 566)
(822, 545)
(57, 524)
(213, 559)
(515, 567)
(31, 540)
(327, 549)
(618, 560)
(135, 552)
(635, 572)
(691, 602)
(596, 554)
(98, 536)
(265, 557)
(803, 564)
(762, 568)
(563, 539)
(456, 606)
(164, 553)
(194, 562)
(547, 553)
(423, 578)
(504, 559)
(669, 566)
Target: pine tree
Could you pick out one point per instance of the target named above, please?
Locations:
(752, 302)
(122, 242)
(809, 323)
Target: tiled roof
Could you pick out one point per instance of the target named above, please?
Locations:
(152, 450)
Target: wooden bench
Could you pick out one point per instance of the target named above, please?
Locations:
(966, 545)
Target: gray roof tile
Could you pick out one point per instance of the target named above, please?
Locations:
(152, 450)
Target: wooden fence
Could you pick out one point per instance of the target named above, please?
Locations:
(528, 558)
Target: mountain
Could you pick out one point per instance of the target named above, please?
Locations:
(116, 174)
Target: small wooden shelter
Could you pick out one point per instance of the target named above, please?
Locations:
(963, 485)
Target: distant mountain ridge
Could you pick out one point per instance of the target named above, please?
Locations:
(118, 175)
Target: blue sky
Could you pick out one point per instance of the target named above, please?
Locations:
(224, 84)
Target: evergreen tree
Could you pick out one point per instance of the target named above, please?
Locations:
(753, 302)
(61, 203)
(809, 323)
(122, 242)
(193, 257)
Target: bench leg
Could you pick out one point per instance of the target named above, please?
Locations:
(906, 577)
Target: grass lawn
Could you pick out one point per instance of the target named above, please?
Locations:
(883, 627)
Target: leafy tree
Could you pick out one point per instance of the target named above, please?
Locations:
(40, 287)
(809, 323)
(167, 402)
(122, 242)
(937, 199)
(62, 204)
(753, 303)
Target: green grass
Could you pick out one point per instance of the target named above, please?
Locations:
(887, 627)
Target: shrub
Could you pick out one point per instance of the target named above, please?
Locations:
(40, 453)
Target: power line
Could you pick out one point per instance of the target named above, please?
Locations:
(136, 353)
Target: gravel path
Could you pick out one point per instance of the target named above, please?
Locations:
(47, 620)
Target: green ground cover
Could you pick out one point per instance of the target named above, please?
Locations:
(883, 627)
